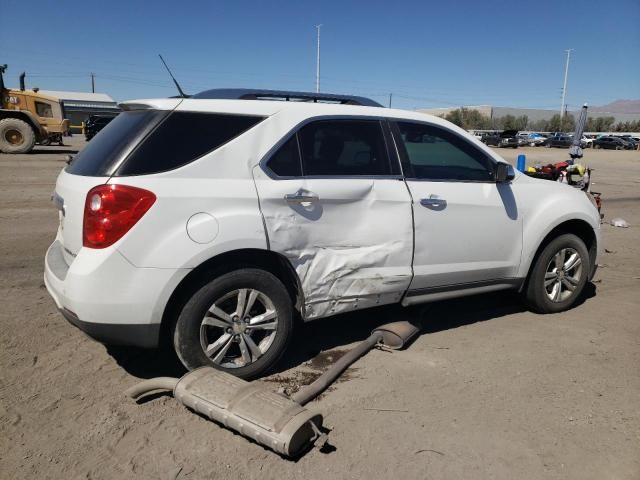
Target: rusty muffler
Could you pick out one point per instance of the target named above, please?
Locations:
(251, 409)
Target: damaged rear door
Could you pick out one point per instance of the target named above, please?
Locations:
(334, 204)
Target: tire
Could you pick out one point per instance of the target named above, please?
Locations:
(16, 136)
(618, 147)
(597, 146)
(45, 142)
(548, 145)
(231, 341)
(557, 296)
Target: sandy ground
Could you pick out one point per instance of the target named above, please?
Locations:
(488, 391)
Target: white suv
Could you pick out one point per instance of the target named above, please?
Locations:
(215, 223)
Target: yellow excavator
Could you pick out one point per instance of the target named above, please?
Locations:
(27, 117)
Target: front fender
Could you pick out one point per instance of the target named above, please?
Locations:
(550, 206)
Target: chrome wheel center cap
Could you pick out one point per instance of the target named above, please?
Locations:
(238, 327)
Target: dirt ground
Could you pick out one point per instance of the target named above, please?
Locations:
(488, 390)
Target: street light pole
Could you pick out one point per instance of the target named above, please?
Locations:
(564, 85)
(318, 61)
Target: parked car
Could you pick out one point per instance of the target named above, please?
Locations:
(94, 123)
(476, 134)
(523, 139)
(531, 139)
(267, 211)
(561, 141)
(587, 141)
(633, 141)
(507, 138)
(612, 143)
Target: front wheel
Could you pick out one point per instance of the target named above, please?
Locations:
(240, 322)
(558, 276)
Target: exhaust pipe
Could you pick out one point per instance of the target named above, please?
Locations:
(22, 75)
(251, 409)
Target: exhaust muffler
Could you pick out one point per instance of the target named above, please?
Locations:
(251, 409)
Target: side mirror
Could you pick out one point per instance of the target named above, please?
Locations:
(504, 173)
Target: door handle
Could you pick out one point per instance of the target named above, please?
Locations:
(301, 196)
(434, 202)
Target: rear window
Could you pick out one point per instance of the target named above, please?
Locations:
(169, 141)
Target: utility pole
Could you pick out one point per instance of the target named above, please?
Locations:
(318, 61)
(390, 97)
(93, 82)
(564, 85)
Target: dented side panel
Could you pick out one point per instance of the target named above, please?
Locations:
(351, 247)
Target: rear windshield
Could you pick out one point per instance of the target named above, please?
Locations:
(151, 142)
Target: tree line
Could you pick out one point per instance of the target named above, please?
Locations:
(470, 119)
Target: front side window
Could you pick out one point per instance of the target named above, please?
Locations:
(438, 154)
(286, 161)
(44, 110)
(344, 148)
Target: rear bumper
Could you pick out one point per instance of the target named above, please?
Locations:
(108, 298)
(145, 336)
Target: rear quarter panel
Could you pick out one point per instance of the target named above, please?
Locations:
(160, 239)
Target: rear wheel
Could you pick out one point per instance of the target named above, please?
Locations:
(16, 136)
(597, 146)
(559, 275)
(240, 322)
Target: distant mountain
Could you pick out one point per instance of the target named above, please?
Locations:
(619, 106)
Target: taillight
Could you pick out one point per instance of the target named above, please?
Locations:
(110, 211)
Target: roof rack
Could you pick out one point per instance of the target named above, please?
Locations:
(283, 95)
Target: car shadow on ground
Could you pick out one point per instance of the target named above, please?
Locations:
(341, 330)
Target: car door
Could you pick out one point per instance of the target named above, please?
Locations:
(468, 230)
(336, 207)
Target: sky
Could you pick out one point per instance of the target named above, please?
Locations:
(425, 53)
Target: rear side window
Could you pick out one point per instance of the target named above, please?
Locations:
(182, 138)
(105, 151)
(152, 141)
(344, 148)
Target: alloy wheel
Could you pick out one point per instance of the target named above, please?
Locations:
(563, 274)
(238, 328)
